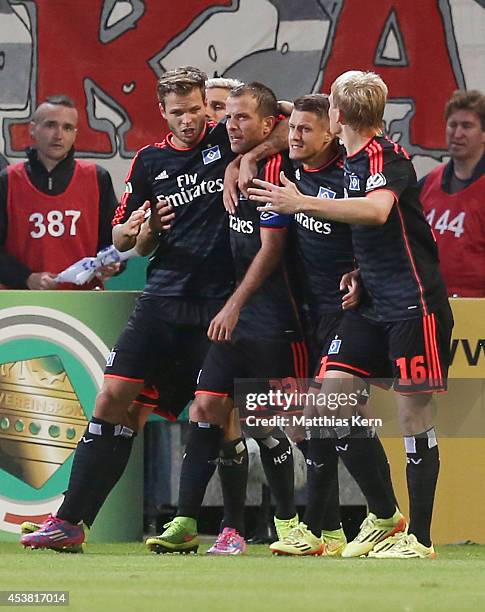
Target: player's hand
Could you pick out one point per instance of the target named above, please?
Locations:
(285, 199)
(351, 284)
(248, 171)
(108, 271)
(223, 324)
(131, 227)
(40, 281)
(230, 196)
(161, 221)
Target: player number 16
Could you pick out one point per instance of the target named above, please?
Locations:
(412, 371)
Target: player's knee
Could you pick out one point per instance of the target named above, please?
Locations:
(209, 409)
(334, 382)
(415, 413)
(414, 421)
(112, 405)
(137, 417)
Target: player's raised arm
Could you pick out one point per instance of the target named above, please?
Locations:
(371, 210)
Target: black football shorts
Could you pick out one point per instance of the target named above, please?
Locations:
(412, 355)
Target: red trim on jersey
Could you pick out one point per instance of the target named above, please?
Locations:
(394, 144)
(166, 415)
(398, 148)
(296, 359)
(361, 148)
(323, 368)
(376, 157)
(144, 404)
(411, 259)
(430, 358)
(150, 392)
(419, 391)
(272, 169)
(430, 333)
(278, 160)
(124, 378)
(434, 344)
(380, 156)
(346, 365)
(370, 155)
(300, 359)
(306, 372)
(120, 210)
(214, 393)
(373, 150)
(169, 140)
(326, 165)
(276, 166)
(268, 171)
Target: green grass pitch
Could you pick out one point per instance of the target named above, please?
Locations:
(122, 577)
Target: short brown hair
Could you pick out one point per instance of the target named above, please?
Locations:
(55, 100)
(181, 81)
(472, 100)
(313, 103)
(361, 97)
(59, 100)
(264, 96)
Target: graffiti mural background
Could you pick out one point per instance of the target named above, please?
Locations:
(107, 55)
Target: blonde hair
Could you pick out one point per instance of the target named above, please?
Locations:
(361, 97)
(222, 82)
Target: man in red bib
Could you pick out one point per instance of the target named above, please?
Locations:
(54, 210)
(453, 196)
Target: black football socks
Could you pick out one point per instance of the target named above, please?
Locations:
(198, 465)
(233, 472)
(323, 506)
(277, 460)
(423, 466)
(99, 461)
(368, 468)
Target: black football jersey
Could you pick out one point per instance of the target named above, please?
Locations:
(322, 248)
(398, 260)
(193, 259)
(271, 310)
